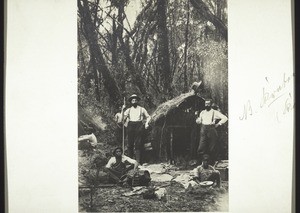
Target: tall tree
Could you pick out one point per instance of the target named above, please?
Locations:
(163, 47)
(95, 52)
(185, 79)
(135, 74)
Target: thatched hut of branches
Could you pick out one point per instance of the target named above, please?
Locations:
(175, 133)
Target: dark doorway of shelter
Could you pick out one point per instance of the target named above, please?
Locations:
(183, 144)
(181, 141)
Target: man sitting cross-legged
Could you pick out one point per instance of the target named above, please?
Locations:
(206, 172)
(117, 166)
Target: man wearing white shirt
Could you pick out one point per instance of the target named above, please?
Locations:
(89, 137)
(135, 116)
(119, 127)
(208, 133)
(205, 172)
(117, 168)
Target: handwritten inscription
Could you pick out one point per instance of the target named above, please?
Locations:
(268, 97)
(247, 111)
(288, 107)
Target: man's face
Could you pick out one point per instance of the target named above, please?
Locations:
(207, 105)
(118, 153)
(134, 102)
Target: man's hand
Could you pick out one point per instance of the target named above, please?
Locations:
(123, 107)
(198, 120)
(146, 125)
(217, 125)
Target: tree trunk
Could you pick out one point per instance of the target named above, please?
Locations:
(95, 51)
(185, 80)
(136, 76)
(96, 77)
(114, 42)
(126, 50)
(163, 47)
(201, 7)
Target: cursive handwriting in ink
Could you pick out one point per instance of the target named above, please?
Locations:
(247, 111)
(289, 105)
(270, 96)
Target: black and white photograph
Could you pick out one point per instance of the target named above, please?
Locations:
(149, 106)
(152, 105)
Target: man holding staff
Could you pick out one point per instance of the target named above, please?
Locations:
(135, 115)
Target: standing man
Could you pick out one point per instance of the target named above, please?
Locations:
(135, 116)
(208, 132)
(119, 126)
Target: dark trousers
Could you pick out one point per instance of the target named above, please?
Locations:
(214, 177)
(208, 141)
(116, 175)
(135, 132)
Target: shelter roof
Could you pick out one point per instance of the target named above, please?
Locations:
(163, 109)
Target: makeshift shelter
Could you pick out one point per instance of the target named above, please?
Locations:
(175, 133)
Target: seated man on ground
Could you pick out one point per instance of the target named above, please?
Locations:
(89, 140)
(206, 172)
(119, 165)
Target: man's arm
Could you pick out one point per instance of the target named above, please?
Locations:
(148, 117)
(132, 161)
(84, 137)
(116, 117)
(211, 168)
(196, 171)
(223, 118)
(199, 119)
(124, 115)
(110, 163)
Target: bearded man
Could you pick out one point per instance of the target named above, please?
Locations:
(208, 132)
(135, 115)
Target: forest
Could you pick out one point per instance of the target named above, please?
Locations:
(154, 48)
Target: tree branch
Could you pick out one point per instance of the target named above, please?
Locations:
(203, 9)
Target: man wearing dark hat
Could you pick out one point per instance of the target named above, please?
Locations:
(117, 168)
(208, 133)
(206, 172)
(135, 115)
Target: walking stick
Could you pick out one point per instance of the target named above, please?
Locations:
(123, 128)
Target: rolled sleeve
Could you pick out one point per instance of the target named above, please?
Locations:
(126, 114)
(146, 114)
(196, 172)
(198, 120)
(110, 163)
(129, 160)
(223, 118)
(85, 137)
